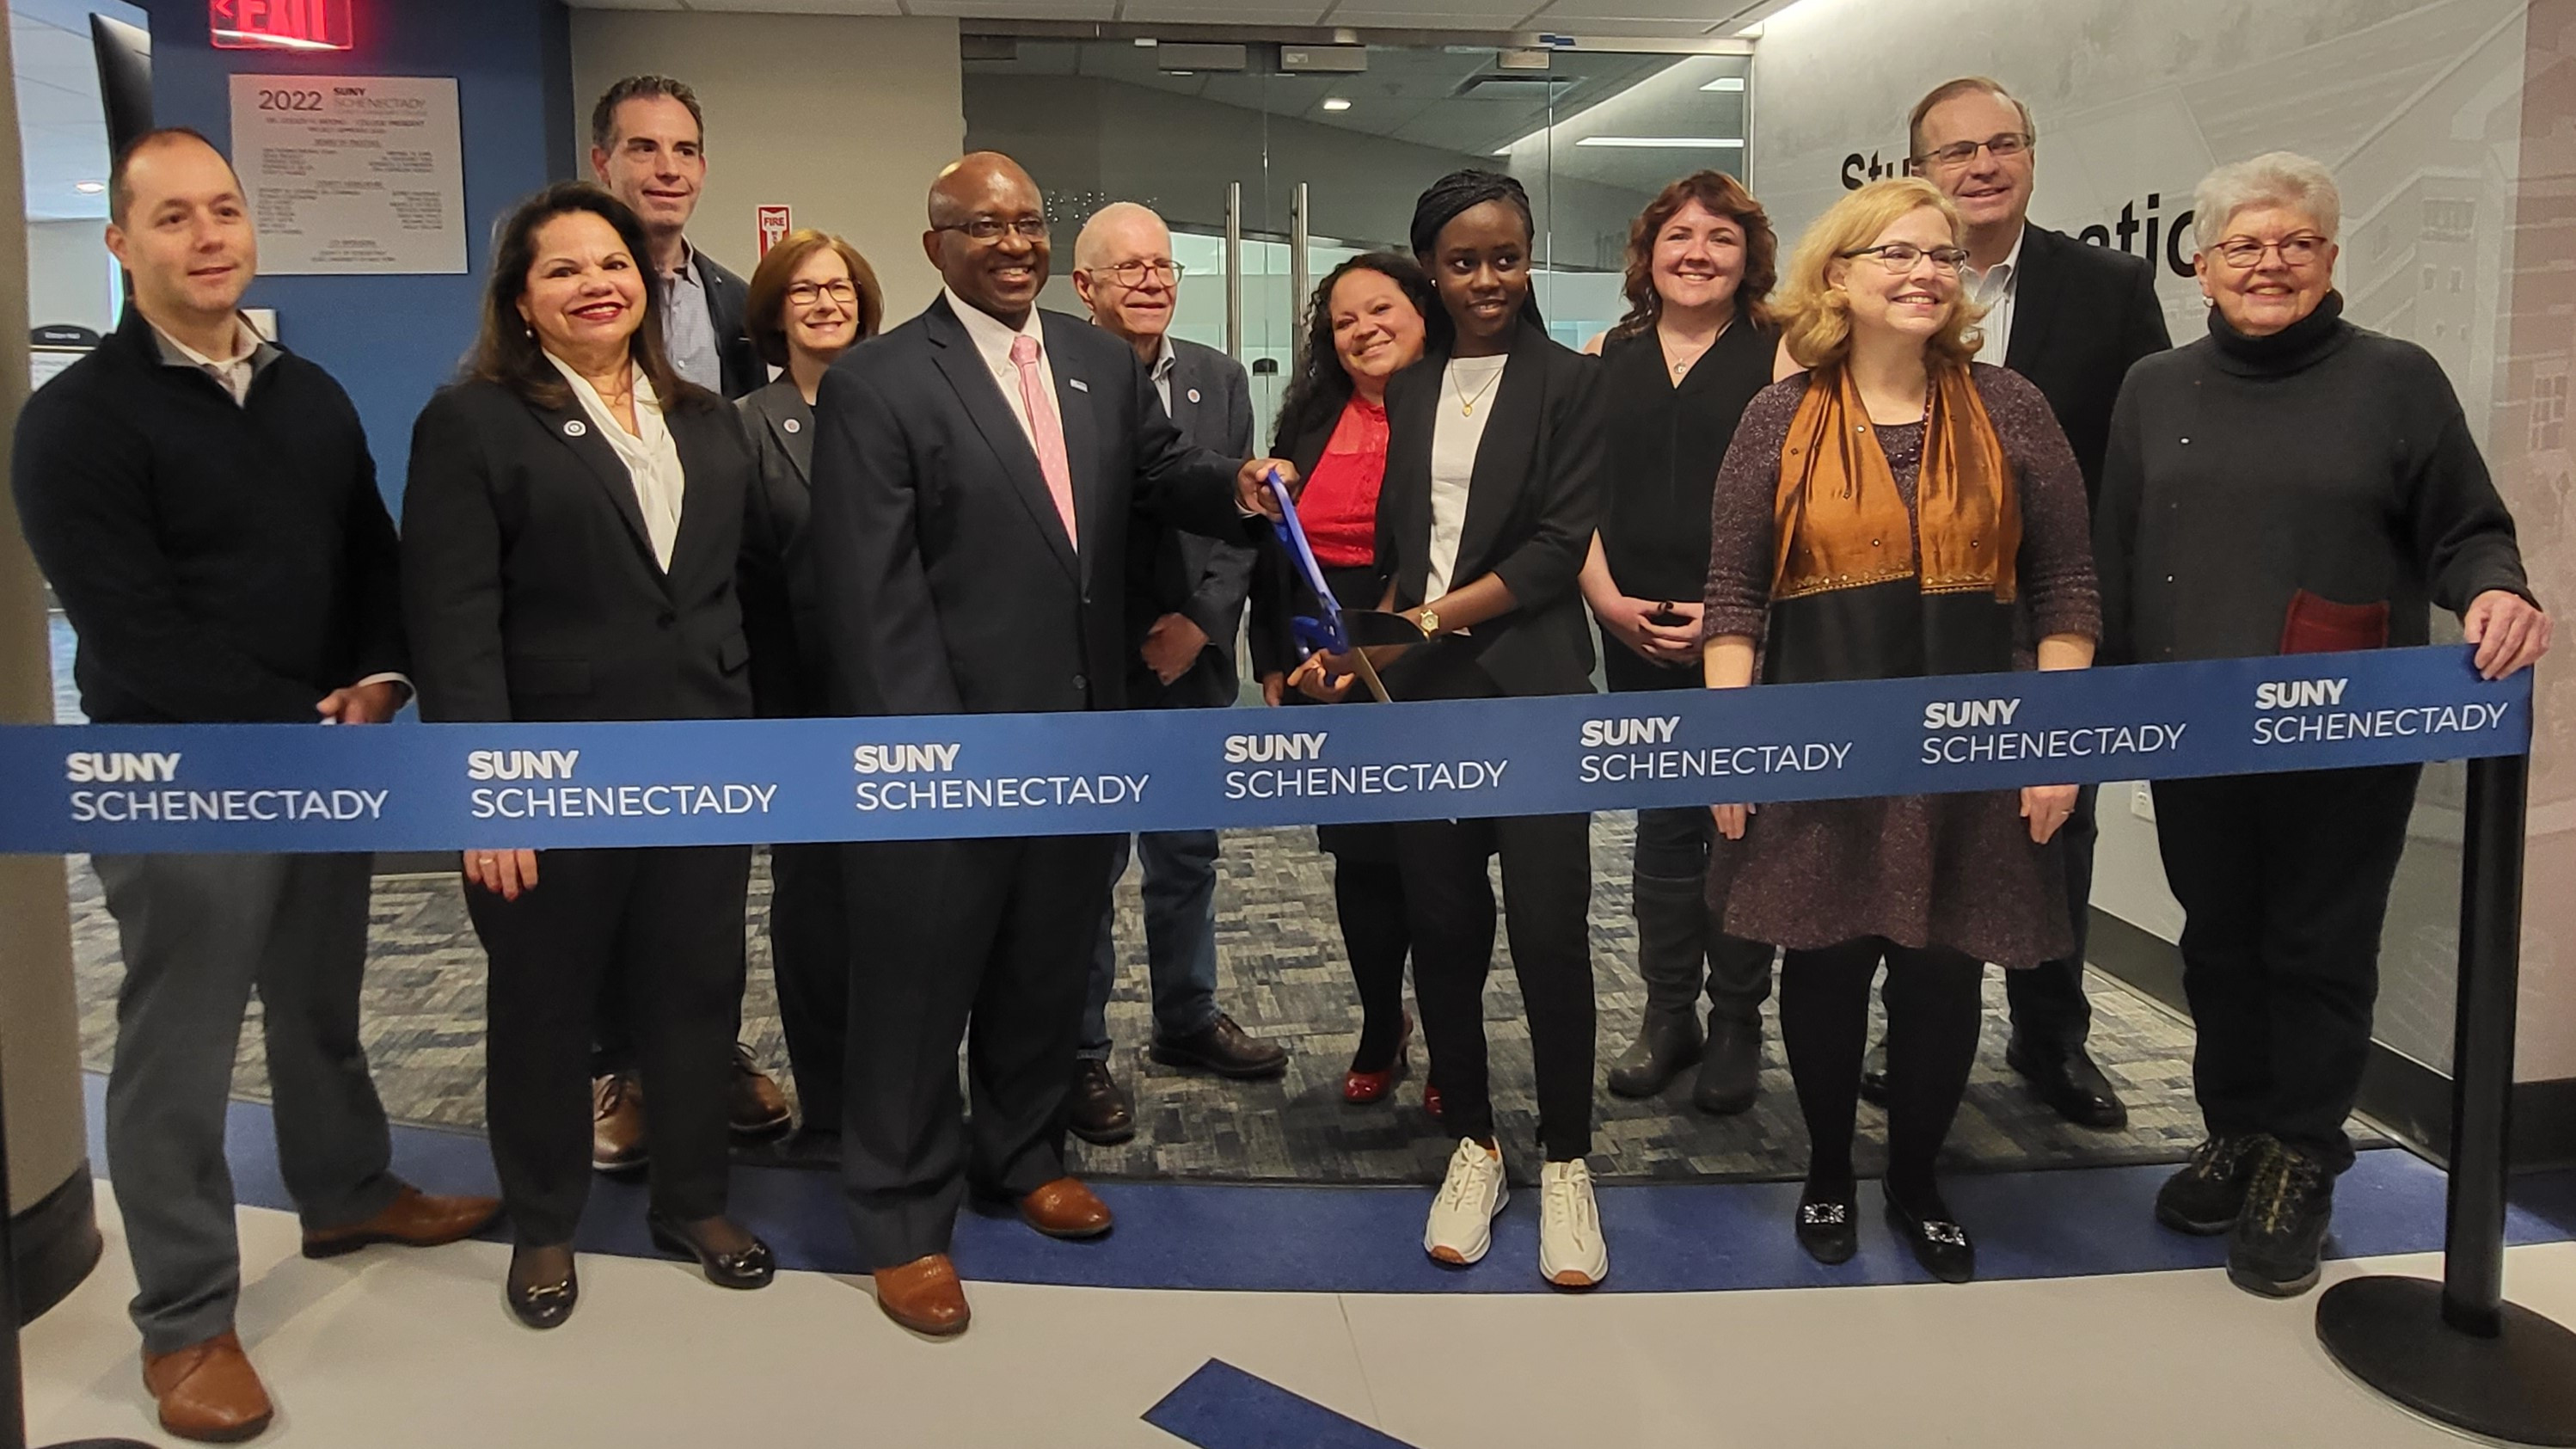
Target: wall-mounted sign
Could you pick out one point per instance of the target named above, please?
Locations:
(774, 224)
(352, 173)
(280, 24)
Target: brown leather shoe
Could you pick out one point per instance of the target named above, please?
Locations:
(617, 1122)
(1065, 1208)
(924, 1296)
(208, 1391)
(758, 1108)
(413, 1219)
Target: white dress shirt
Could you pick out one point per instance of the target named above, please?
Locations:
(1456, 432)
(652, 459)
(1994, 289)
(992, 339)
(1161, 373)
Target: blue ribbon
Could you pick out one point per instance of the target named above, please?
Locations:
(444, 787)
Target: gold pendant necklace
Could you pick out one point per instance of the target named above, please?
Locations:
(1467, 405)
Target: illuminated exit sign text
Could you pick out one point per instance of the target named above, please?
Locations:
(280, 24)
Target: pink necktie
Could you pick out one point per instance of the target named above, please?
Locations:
(1047, 430)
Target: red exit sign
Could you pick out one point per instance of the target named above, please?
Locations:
(280, 24)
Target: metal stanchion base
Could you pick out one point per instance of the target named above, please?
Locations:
(2519, 1386)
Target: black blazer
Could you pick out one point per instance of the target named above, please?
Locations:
(1531, 507)
(943, 577)
(530, 586)
(786, 657)
(1174, 571)
(728, 297)
(2082, 316)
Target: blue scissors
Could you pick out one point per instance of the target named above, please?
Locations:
(1328, 632)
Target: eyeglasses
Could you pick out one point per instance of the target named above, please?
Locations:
(1900, 257)
(1960, 153)
(806, 294)
(986, 228)
(1132, 274)
(2244, 253)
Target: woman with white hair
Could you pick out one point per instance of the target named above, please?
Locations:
(2290, 483)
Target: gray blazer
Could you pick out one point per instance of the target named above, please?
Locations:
(786, 664)
(1190, 574)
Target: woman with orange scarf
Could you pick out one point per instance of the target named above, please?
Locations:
(1894, 511)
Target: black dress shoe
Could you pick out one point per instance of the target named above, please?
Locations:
(1730, 1070)
(1939, 1243)
(1667, 1043)
(1223, 1048)
(542, 1287)
(751, 1266)
(1829, 1223)
(1097, 1109)
(1873, 1076)
(2068, 1081)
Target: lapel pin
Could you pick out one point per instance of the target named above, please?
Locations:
(1077, 384)
(575, 428)
(1194, 394)
(793, 425)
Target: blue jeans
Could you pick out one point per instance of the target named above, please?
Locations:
(1180, 938)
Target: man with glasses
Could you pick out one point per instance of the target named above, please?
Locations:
(648, 149)
(2071, 318)
(1185, 596)
(975, 470)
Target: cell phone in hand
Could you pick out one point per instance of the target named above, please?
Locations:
(1667, 616)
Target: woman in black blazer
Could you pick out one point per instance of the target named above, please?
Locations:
(1483, 525)
(570, 535)
(1368, 321)
(812, 299)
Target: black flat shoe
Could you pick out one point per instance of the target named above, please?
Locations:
(1940, 1244)
(752, 1267)
(1829, 1224)
(541, 1297)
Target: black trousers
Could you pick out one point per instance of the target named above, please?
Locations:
(666, 925)
(2284, 883)
(809, 954)
(2049, 1009)
(1547, 899)
(987, 942)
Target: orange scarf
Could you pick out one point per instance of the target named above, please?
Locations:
(1839, 523)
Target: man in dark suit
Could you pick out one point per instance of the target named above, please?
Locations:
(204, 504)
(974, 474)
(2071, 318)
(648, 148)
(1185, 594)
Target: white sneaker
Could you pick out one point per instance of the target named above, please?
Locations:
(1571, 1250)
(1462, 1216)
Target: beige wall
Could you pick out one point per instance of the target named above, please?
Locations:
(70, 277)
(843, 118)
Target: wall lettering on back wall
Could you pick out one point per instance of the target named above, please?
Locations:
(2168, 241)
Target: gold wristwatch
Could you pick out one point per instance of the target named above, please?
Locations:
(1430, 621)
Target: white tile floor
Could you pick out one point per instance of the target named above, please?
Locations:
(391, 1350)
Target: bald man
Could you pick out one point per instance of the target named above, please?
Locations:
(1185, 596)
(974, 473)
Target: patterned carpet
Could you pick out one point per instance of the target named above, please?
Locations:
(1282, 976)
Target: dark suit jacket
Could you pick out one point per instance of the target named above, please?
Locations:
(945, 581)
(2082, 315)
(786, 656)
(530, 585)
(1173, 571)
(1531, 508)
(728, 297)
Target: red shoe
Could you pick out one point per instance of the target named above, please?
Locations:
(1431, 1100)
(1361, 1088)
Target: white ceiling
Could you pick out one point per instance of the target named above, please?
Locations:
(60, 124)
(1666, 19)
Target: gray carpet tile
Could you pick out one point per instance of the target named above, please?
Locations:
(1282, 976)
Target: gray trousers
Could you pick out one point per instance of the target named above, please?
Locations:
(199, 933)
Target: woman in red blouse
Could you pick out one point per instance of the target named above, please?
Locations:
(1365, 324)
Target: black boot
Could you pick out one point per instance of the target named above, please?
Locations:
(1730, 1070)
(1672, 937)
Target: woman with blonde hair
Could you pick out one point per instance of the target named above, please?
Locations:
(1893, 511)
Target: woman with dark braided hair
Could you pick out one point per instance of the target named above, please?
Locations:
(1493, 444)
(1365, 324)
(1695, 347)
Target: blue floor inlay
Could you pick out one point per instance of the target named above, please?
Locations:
(1663, 1238)
(1222, 1407)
